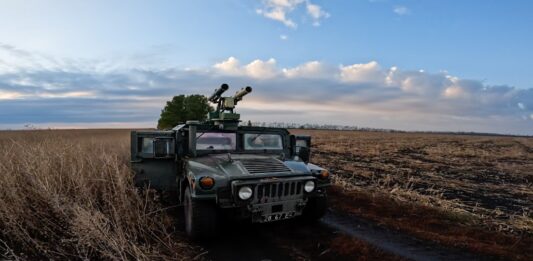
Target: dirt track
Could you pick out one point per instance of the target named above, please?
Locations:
(394, 242)
(337, 236)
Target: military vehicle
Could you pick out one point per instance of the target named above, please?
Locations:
(218, 167)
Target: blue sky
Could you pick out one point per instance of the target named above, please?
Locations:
(415, 65)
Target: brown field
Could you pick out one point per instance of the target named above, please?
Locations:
(68, 194)
(468, 191)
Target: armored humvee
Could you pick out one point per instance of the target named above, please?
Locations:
(217, 168)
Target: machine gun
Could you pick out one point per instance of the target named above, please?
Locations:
(224, 116)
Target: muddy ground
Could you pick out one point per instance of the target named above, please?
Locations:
(488, 177)
(337, 236)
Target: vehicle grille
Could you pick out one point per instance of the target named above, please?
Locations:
(255, 166)
(271, 192)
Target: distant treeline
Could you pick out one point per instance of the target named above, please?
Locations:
(311, 126)
(314, 126)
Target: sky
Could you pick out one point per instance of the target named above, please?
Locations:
(407, 65)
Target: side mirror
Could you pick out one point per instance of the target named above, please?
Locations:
(304, 154)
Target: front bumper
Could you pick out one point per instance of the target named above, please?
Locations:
(272, 199)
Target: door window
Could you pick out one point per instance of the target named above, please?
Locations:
(147, 145)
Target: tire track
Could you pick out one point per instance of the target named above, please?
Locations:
(394, 242)
(294, 240)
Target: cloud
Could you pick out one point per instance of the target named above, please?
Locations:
(13, 60)
(316, 12)
(361, 73)
(267, 69)
(279, 10)
(261, 69)
(435, 100)
(401, 10)
(10, 95)
(311, 70)
(257, 69)
(80, 93)
(231, 66)
(278, 15)
(283, 37)
(455, 92)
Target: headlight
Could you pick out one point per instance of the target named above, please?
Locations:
(309, 186)
(245, 193)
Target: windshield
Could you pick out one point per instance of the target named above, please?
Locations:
(262, 142)
(215, 141)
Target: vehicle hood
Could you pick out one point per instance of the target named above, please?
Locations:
(246, 166)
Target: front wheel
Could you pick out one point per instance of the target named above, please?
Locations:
(200, 217)
(316, 208)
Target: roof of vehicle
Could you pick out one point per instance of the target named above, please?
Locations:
(241, 128)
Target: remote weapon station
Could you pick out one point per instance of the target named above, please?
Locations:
(218, 168)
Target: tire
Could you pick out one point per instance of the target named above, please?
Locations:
(200, 217)
(316, 208)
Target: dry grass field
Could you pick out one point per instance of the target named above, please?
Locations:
(471, 191)
(69, 195)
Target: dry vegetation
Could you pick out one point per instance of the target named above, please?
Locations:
(468, 191)
(69, 195)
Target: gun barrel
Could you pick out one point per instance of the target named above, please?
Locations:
(216, 95)
(238, 96)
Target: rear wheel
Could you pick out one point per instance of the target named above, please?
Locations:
(200, 217)
(316, 208)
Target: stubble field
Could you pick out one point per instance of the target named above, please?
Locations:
(466, 191)
(68, 193)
